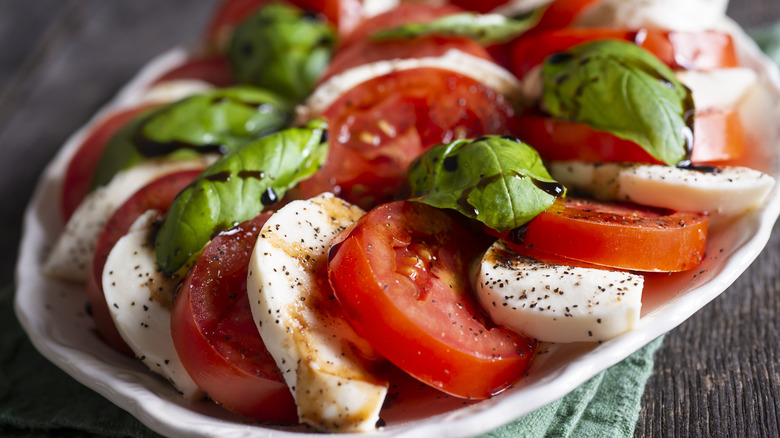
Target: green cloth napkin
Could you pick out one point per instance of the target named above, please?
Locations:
(38, 399)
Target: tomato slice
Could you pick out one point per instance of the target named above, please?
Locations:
(718, 136)
(481, 6)
(401, 275)
(215, 335)
(688, 50)
(157, 195)
(404, 13)
(78, 176)
(562, 13)
(380, 126)
(212, 69)
(367, 51)
(617, 235)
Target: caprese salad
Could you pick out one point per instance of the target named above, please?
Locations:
(330, 194)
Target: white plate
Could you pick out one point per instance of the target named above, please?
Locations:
(53, 313)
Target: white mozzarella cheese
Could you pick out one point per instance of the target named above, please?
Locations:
(556, 303)
(321, 357)
(140, 298)
(486, 72)
(72, 252)
(731, 191)
(173, 90)
(721, 88)
(678, 15)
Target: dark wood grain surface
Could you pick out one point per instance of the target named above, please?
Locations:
(718, 374)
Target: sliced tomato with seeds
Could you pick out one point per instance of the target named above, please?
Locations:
(157, 195)
(377, 128)
(215, 335)
(617, 235)
(680, 50)
(401, 275)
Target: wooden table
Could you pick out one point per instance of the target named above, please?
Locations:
(718, 374)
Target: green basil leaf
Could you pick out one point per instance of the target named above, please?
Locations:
(217, 121)
(236, 188)
(500, 181)
(485, 29)
(617, 87)
(281, 48)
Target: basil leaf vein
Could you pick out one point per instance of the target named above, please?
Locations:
(485, 29)
(498, 181)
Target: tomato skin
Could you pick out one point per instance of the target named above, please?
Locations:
(688, 50)
(212, 69)
(405, 13)
(78, 176)
(380, 126)
(561, 13)
(216, 337)
(617, 235)
(718, 136)
(157, 195)
(367, 51)
(401, 275)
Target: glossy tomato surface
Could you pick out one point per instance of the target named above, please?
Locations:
(377, 128)
(212, 69)
(687, 50)
(78, 176)
(405, 13)
(617, 235)
(401, 275)
(216, 337)
(367, 51)
(157, 195)
(718, 136)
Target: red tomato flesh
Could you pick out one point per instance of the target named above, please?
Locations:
(214, 69)
(380, 126)
(78, 175)
(367, 51)
(401, 275)
(617, 235)
(718, 136)
(405, 13)
(216, 337)
(157, 195)
(688, 50)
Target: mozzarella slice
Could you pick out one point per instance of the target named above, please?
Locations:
(140, 298)
(321, 357)
(729, 192)
(173, 90)
(721, 88)
(687, 15)
(486, 72)
(556, 303)
(72, 253)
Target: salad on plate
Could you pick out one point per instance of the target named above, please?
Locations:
(400, 217)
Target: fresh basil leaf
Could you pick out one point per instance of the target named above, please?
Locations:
(281, 48)
(217, 121)
(485, 29)
(617, 87)
(236, 188)
(500, 181)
